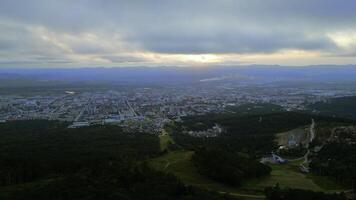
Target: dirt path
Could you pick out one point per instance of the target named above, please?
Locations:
(312, 131)
(167, 165)
(243, 195)
(311, 138)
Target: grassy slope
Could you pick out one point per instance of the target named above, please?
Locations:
(179, 164)
(286, 175)
(7, 191)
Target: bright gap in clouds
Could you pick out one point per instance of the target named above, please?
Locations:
(345, 40)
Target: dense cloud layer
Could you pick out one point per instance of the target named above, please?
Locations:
(117, 32)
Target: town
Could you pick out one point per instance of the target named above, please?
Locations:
(149, 108)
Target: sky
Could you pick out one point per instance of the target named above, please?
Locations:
(109, 33)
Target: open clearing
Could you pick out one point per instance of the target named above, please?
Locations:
(164, 140)
(287, 175)
(299, 135)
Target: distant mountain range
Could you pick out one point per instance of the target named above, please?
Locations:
(252, 74)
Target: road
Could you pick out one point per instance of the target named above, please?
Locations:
(130, 108)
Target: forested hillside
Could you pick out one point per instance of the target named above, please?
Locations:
(339, 107)
(228, 168)
(252, 134)
(45, 160)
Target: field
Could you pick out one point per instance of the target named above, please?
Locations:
(164, 140)
(299, 135)
(286, 175)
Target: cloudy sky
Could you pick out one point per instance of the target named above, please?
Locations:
(83, 33)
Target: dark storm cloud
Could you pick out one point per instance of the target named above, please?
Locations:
(228, 42)
(179, 26)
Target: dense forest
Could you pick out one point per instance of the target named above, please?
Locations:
(253, 135)
(228, 168)
(252, 145)
(336, 154)
(255, 109)
(337, 160)
(45, 160)
(254, 124)
(112, 180)
(276, 193)
(339, 107)
(29, 153)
